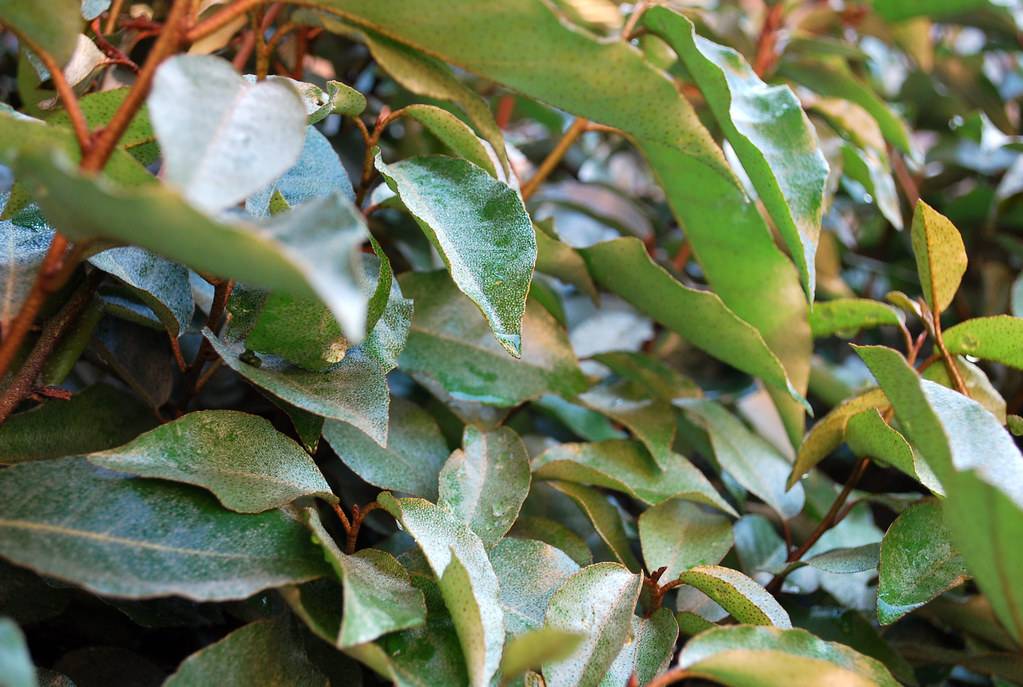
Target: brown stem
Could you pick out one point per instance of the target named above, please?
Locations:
(768, 39)
(207, 375)
(671, 677)
(167, 43)
(112, 14)
(221, 293)
(66, 93)
(681, 258)
(358, 516)
(905, 179)
(221, 19)
(629, 30)
(950, 363)
(115, 54)
(372, 140)
(550, 163)
(23, 382)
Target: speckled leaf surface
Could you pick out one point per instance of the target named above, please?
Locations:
(744, 656)
(918, 562)
(55, 30)
(24, 240)
(847, 316)
(451, 342)
(528, 572)
(310, 251)
(738, 594)
(353, 391)
(749, 458)
(16, 666)
(410, 462)
(605, 517)
(221, 137)
(989, 338)
(596, 602)
(161, 284)
(651, 421)
(241, 458)
(940, 256)
(625, 466)
(534, 648)
(481, 230)
(261, 654)
(136, 538)
(485, 482)
(767, 128)
(467, 580)
(647, 651)
(867, 434)
(679, 535)
(378, 594)
(452, 132)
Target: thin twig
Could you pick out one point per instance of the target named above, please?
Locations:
(629, 30)
(221, 19)
(67, 95)
(671, 677)
(112, 14)
(550, 163)
(766, 56)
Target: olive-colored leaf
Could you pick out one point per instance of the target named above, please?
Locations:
(768, 130)
(626, 466)
(605, 518)
(940, 256)
(528, 572)
(534, 648)
(24, 240)
(978, 385)
(353, 391)
(678, 535)
(918, 562)
(660, 379)
(596, 602)
(135, 538)
(317, 173)
(846, 560)
(990, 338)
(647, 651)
(210, 123)
(467, 580)
(378, 594)
(319, 102)
(749, 458)
(300, 330)
(624, 267)
(867, 434)
(451, 342)
(847, 316)
(485, 482)
(480, 228)
(97, 418)
(260, 654)
(161, 284)
(54, 30)
(900, 10)
(560, 260)
(554, 533)
(744, 599)
(828, 433)
(743, 656)
(16, 666)
(452, 132)
(247, 464)
(651, 421)
(310, 251)
(410, 462)
(871, 170)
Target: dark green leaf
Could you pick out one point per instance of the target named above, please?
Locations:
(678, 535)
(744, 599)
(55, 30)
(528, 572)
(847, 316)
(605, 517)
(647, 651)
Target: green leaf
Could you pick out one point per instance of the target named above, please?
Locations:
(410, 462)
(534, 648)
(467, 581)
(378, 594)
(744, 599)
(211, 122)
(25, 240)
(451, 342)
(605, 517)
(247, 464)
(317, 173)
(54, 30)
(161, 284)
(918, 562)
(300, 330)
(260, 654)
(829, 432)
(319, 103)
(626, 466)
(742, 656)
(847, 316)
(624, 267)
(97, 418)
(869, 435)
(554, 533)
(532, 51)
(528, 572)
(560, 260)
(834, 79)
(15, 662)
(847, 559)
(647, 651)
(900, 10)
(99, 108)
(768, 130)
(940, 256)
(135, 538)
(749, 458)
(310, 251)
(658, 378)
(481, 230)
(990, 338)
(679, 535)
(596, 602)
(452, 132)
(353, 391)
(871, 170)
(651, 421)
(485, 482)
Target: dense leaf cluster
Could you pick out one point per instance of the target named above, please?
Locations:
(564, 343)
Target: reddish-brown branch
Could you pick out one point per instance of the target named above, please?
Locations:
(221, 19)
(551, 162)
(767, 42)
(66, 93)
(352, 527)
(671, 677)
(221, 294)
(112, 15)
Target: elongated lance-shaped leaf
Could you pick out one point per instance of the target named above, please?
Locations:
(536, 647)
(604, 516)
(743, 598)
(531, 50)
(990, 338)
(648, 651)
(847, 316)
(452, 132)
(311, 251)
(467, 580)
(480, 227)
(767, 128)
(137, 538)
(241, 458)
(940, 256)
